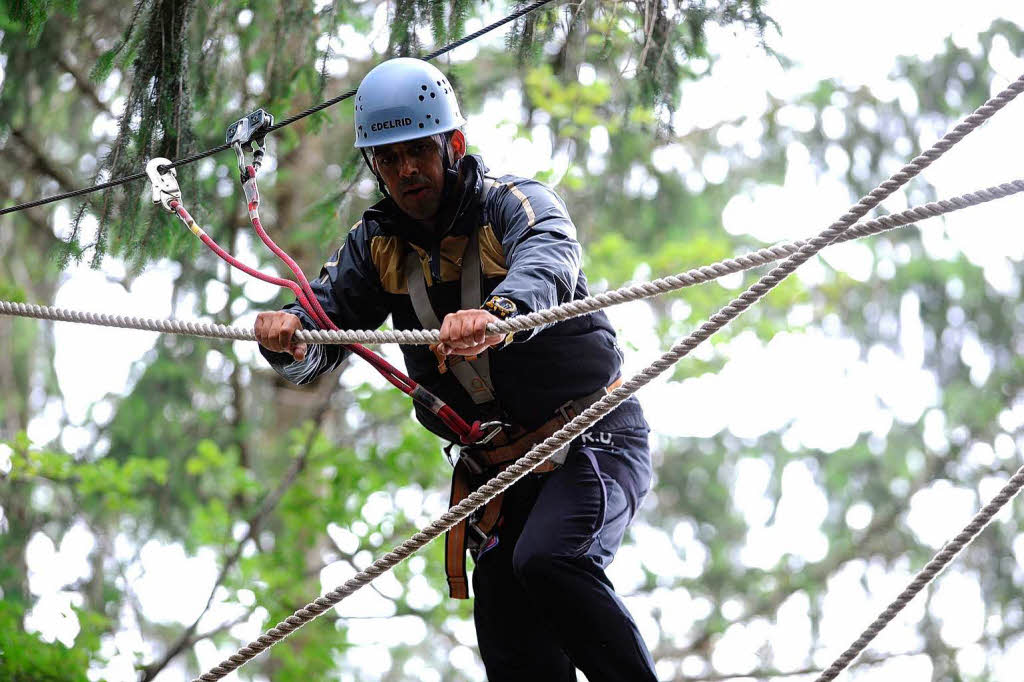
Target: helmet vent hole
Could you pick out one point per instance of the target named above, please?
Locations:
(424, 87)
(421, 125)
(432, 95)
(421, 98)
(436, 121)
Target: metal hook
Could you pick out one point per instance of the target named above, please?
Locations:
(165, 185)
(249, 132)
(237, 146)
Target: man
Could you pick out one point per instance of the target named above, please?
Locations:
(445, 239)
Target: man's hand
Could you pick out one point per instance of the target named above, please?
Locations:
(464, 333)
(274, 331)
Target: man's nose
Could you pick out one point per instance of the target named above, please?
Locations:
(407, 166)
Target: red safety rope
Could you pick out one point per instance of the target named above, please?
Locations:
(467, 433)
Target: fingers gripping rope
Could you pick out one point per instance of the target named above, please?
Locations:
(539, 453)
(565, 311)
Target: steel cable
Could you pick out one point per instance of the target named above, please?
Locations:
(288, 121)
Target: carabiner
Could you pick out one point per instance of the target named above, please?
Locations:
(165, 185)
(249, 133)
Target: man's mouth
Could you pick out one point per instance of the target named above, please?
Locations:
(416, 192)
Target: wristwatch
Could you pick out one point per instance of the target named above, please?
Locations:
(503, 309)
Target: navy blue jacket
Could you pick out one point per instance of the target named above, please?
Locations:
(528, 253)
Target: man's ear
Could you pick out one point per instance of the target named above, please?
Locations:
(458, 143)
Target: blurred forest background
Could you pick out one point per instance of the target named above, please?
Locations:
(148, 534)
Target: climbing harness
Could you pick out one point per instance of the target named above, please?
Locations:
(249, 134)
(481, 461)
(505, 442)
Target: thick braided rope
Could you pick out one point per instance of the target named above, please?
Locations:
(565, 311)
(707, 273)
(927, 574)
(607, 403)
(42, 312)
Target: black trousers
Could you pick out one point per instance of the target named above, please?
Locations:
(543, 604)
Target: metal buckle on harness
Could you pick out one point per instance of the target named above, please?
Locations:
(568, 411)
(455, 452)
(476, 538)
(165, 185)
(495, 428)
(250, 133)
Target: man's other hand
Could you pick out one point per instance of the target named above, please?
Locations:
(465, 333)
(275, 331)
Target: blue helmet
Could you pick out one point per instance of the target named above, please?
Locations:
(403, 99)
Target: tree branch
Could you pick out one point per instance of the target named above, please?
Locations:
(43, 163)
(85, 86)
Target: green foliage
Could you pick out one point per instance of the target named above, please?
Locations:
(26, 658)
(11, 292)
(214, 454)
(104, 485)
(31, 16)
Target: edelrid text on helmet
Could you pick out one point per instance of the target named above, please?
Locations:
(396, 123)
(404, 99)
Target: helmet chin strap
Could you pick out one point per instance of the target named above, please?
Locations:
(452, 170)
(381, 187)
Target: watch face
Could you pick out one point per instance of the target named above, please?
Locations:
(502, 305)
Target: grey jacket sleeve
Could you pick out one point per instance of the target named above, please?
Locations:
(539, 241)
(349, 291)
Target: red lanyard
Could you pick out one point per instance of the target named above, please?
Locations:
(165, 191)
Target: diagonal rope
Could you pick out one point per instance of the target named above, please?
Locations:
(607, 403)
(927, 574)
(288, 121)
(558, 313)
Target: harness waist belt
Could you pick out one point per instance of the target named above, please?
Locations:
(510, 445)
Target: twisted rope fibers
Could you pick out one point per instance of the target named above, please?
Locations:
(607, 403)
(558, 313)
(707, 273)
(927, 574)
(288, 121)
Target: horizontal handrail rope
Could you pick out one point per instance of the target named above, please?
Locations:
(707, 273)
(564, 311)
(607, 403)
(927, 574)
(288, 121)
